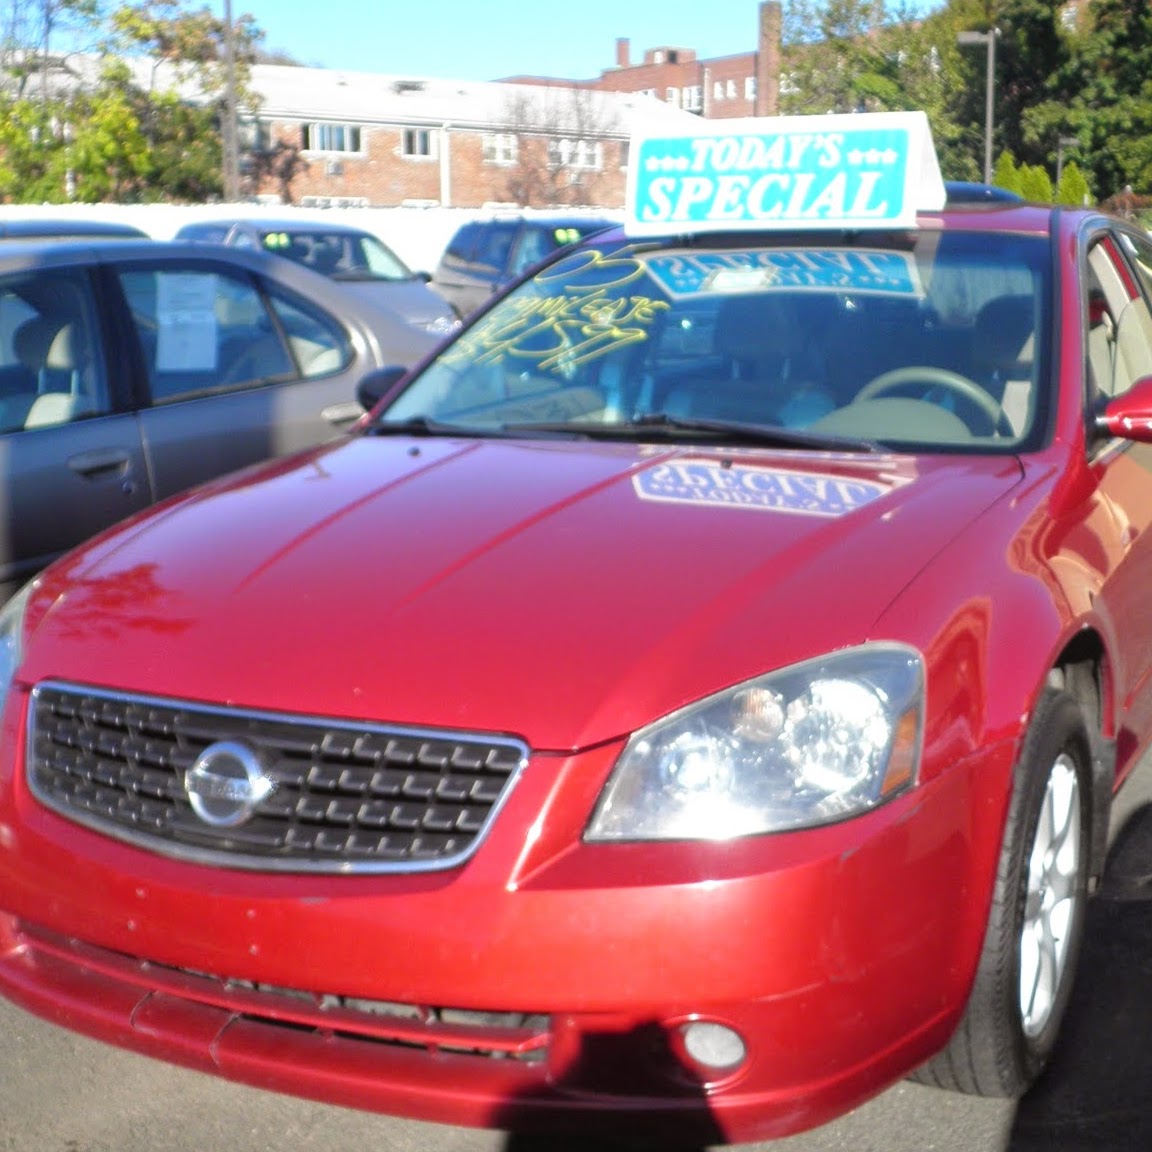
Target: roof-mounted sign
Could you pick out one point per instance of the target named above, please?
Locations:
(874, 170)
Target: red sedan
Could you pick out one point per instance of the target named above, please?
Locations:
(691, 702)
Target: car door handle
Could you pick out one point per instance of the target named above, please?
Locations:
(342, 413)
(100, 461)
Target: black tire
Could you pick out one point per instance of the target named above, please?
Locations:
(1037, 915)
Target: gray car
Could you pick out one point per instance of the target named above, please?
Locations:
(131, 371)
(487, 255)
(354, 258)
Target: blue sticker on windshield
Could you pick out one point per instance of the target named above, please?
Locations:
(858, 270)
(712, 484)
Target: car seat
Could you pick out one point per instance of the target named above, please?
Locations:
(1004, 352)
(773, 373)
(50, 349)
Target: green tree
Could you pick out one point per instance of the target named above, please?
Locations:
(1006, 174)
(1105, 88)
(110, 157)
(834, 58)
(1073, 187)
(1035, 184)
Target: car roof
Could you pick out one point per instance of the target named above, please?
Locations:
(33, 227)
(969, 192)
(266, 224)
(31, 252)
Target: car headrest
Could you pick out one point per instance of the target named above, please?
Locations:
(758, 328)
(1004, 332)
(43, 343)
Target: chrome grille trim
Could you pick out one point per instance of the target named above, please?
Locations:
(349, 798)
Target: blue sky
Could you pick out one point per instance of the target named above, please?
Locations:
(488, 39)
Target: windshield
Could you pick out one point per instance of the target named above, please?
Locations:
(342, 255)
(933, 340)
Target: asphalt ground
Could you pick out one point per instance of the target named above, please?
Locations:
(64, 1093)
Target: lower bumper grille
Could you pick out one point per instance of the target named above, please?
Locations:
(518, 1036)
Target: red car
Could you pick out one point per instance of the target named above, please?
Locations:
(692, 702)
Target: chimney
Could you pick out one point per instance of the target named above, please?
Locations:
(768, 59)
(622, 52)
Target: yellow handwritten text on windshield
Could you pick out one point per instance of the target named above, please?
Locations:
(570, 327)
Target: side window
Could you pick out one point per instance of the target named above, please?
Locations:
(203, 331)
(319, 344)
(462, 245)
(1139, 250)
(51, 366)
(1117, 324)
(496, 246)
(533, 247)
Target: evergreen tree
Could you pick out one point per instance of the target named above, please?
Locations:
(1035, 184)
(1073, 188)
(1006, 174)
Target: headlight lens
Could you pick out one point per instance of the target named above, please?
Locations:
(12, 639)
(808, 745)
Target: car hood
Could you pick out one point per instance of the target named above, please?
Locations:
(564, 592)
(412, 300)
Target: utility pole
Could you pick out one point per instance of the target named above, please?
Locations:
(989, 39)
(231, 150)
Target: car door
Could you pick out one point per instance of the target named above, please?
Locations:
(235, 370)
(1117, 326)
(71, 460)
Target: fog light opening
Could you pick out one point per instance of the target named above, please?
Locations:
(714, 1046)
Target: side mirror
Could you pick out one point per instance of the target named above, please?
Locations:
(377, 384)
(1129, 416)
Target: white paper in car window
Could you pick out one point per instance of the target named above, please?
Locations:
(186, 318)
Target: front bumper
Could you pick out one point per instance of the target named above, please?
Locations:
(546, 984)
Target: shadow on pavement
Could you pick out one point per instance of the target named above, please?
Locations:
(1097, 1091)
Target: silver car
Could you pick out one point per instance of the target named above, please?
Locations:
(354, 258)
(131, 371)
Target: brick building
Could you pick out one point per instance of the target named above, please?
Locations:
(746, 84)
(372, 140)
(364, 139)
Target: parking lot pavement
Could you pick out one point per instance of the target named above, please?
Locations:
(64, 1093)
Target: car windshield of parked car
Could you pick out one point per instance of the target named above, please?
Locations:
(339, 255)
(933, 339)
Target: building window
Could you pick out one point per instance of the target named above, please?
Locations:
(331, 138)
(672, 96)
(749, 87)
(731, 89)
(500, 148)
(419, 143)
(586, 155)
(692, 98)
(255, 136)
(718, 91)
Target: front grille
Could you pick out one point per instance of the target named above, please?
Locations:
(341, 796)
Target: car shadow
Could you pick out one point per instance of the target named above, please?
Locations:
(642, 1058)
(1096, 1093)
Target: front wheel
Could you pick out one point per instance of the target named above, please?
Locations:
(1036, 921)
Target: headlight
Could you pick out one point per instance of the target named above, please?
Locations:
(808, 745)
(12, 639)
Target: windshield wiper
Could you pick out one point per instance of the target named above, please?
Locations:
(426, 426)
(730, 431)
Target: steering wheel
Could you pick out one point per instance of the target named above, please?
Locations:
(939, 378)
